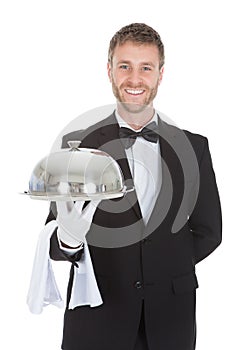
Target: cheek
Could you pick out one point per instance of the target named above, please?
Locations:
(152, 80)
(118, 79)
(153, 83)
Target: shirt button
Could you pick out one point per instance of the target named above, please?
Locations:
(138, 284)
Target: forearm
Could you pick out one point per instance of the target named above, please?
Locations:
(206, 220)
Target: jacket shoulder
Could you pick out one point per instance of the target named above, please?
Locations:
(195, 138)
(89, 133)
(197, 141)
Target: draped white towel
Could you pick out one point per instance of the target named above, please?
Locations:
(43, 289)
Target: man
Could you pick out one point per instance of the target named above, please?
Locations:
(145, 245)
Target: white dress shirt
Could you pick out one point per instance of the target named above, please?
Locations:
(145, 164)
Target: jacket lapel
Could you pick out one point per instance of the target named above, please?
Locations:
(172, 177)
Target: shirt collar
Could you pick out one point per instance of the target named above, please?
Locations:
(122, 122)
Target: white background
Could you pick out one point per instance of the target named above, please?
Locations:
(53, 68)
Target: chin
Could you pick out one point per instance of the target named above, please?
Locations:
(133, 107)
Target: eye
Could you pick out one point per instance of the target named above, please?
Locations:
(124, 66)
(146, 68)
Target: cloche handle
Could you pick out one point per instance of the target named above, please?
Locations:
(74, 145)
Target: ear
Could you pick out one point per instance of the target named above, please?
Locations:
(161, 75)
(109, 70)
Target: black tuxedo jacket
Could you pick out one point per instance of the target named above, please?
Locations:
(157, 262)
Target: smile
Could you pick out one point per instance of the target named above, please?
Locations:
(134, 92)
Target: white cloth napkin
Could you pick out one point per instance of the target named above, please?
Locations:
(43, 289)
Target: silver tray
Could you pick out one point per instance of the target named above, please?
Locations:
(78, 196)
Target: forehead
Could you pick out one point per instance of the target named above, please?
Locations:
(136, 52)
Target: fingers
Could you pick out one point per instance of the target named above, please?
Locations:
(95, 203)
(64, 207)
(79, 205)
(68, 206)
(76, 211)
(88, 212)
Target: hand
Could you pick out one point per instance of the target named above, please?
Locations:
(73, 222)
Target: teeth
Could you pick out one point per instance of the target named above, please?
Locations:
(134, 92)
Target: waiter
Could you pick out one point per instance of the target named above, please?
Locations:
(144, 246)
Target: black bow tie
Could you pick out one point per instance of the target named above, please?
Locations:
(128, 136)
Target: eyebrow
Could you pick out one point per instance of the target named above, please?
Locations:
(141, 63)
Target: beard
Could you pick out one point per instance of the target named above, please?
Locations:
(130, 106)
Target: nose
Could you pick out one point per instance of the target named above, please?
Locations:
(134, 77)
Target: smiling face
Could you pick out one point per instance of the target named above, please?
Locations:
(135, 75)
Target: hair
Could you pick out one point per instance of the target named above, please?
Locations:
(138, 33)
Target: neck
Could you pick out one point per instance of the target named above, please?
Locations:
(136, 117)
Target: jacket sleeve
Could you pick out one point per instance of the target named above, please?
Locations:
(55, 252)
(205, 221)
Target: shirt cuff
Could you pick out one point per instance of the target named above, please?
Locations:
(69, 251)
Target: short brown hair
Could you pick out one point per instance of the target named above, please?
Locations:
(138, 33)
